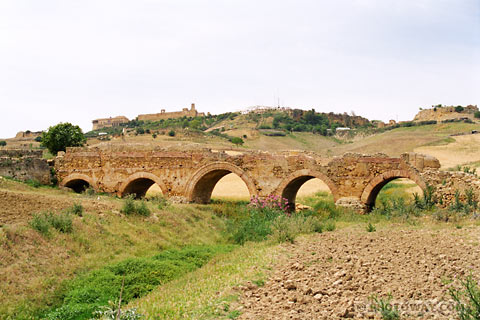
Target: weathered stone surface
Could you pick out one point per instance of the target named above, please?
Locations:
(190, 176)
(24, 165)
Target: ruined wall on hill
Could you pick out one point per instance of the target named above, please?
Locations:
(24, 165)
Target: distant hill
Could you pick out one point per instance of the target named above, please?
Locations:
(445, 113)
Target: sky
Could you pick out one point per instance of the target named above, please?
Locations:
(75, 61)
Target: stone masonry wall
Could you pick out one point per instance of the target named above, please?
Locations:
(24, 165)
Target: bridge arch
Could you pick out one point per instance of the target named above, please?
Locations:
(139, 183)
(289, 187)
(78, 182)
(370, 192)
(200, 186)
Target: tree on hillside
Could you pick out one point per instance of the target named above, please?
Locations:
(61, 136)
(237, 141)
(3, 143)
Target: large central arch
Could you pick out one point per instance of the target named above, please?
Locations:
(289, 187)
(370, 192)
(200, 186)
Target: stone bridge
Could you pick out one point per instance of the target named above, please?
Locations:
(190, 176)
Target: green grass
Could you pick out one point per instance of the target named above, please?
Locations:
(42, 222)
(131, 206)
(440, 142)
(207, 292)
(87, 293)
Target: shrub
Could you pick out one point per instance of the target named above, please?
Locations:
(387, 311)
(3, 143)
(33, 183)
(272, 202)
(476, 114)
(171, 133)
(330, 225)
(467, 299)
(160, 201)
(76, 209)
(371, 228)
(285, 229)
(140, 130)
(40, 223)
(89, 191)
(111, 312)
(237, 141)
(130, 207)
(61, 136)
(62, 222)
(459, 109)
(142, 209)
(38, 139)
(327, 207)
(256, 226)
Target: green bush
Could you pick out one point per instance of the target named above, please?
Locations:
(3, 143)
(76, 209)
(130, 207)
(254, 225)
(371, 228)
(142, 209)
(459, 109)
(477, 114)
(236, 140)
(160, 201)
(330, 225)
(33, 183)
(63, 222)
(42, 222)
(467, 300)
(327, 208)
(171, 133)
(86, 294)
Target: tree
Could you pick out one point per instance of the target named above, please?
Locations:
(459, 109)
(237, 141)
(477, 114)
(3, 143)
(61, 136)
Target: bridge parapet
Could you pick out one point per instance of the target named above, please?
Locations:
(190, 176)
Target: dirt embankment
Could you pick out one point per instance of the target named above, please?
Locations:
(18, 206)
(332, 275)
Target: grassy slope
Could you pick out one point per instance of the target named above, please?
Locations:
(32, 266)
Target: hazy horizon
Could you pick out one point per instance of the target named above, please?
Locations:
(67, 61)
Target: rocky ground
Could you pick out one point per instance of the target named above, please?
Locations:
(334, 275)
